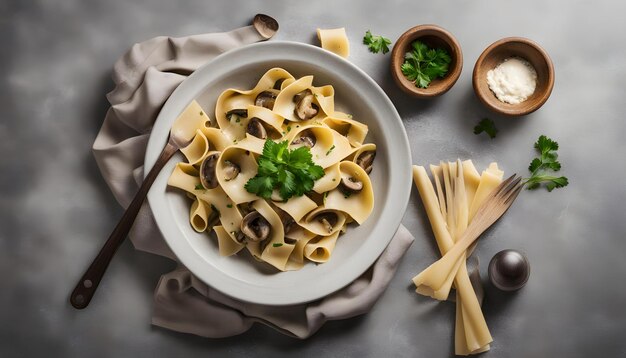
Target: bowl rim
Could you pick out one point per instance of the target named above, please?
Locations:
(391, 209)
(508, 109)
(411, 35)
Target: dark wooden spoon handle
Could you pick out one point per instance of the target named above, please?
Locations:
(86, 287)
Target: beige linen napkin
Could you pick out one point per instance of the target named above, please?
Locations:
(144, 78)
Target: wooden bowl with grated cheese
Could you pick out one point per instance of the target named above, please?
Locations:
(497, 53)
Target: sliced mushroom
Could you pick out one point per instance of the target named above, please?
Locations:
(213, 218)
(255, 227)
(266, 99)
(305, 137)
(255, 128)
(231, 170)
(239, 237)
(240, 113)
(305, 108)
(351, 185)
(300, 95)
(278, 84)
(365, 160)
(207, 171)
(328, 219)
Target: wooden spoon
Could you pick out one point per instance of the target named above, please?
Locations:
(86, 287)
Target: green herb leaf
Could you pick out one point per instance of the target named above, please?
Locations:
(199, 187)
(301, 157)
(277, 244)
(534, 165)
(424, 64)
(550, 181)
(289, 184)
(409, 70)
(376, 43)
(546, 145)
(291, 172)
(261, 186)
(330, 150)
(486, 125)
(547, 161)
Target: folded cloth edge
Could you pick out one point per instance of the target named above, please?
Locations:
(176, 301)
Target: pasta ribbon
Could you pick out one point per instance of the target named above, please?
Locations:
(358, 205)
(351, 129)
(334, 40)
(222, 155)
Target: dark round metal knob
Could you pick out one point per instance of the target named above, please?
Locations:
(509, 270)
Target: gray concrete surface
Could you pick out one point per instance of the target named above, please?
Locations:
(56, 211)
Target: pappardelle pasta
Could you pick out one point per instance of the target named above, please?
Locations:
(226, 154)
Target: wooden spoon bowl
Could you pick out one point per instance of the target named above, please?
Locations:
(434, 37)
(514, 47)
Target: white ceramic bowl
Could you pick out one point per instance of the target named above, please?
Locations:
(240, 276)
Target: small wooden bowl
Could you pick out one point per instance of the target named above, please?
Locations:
(435, 37)
(514, 47)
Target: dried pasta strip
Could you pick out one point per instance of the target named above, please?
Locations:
(334, 40)
(457, 219)
(445, 241)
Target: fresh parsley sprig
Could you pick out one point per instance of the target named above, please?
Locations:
(423, 64)
(486, 125)
(376, 43)
(540, 167)
(292, 172)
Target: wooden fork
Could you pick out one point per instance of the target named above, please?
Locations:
(496, 204)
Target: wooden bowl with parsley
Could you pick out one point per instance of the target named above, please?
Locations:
(426, 61)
